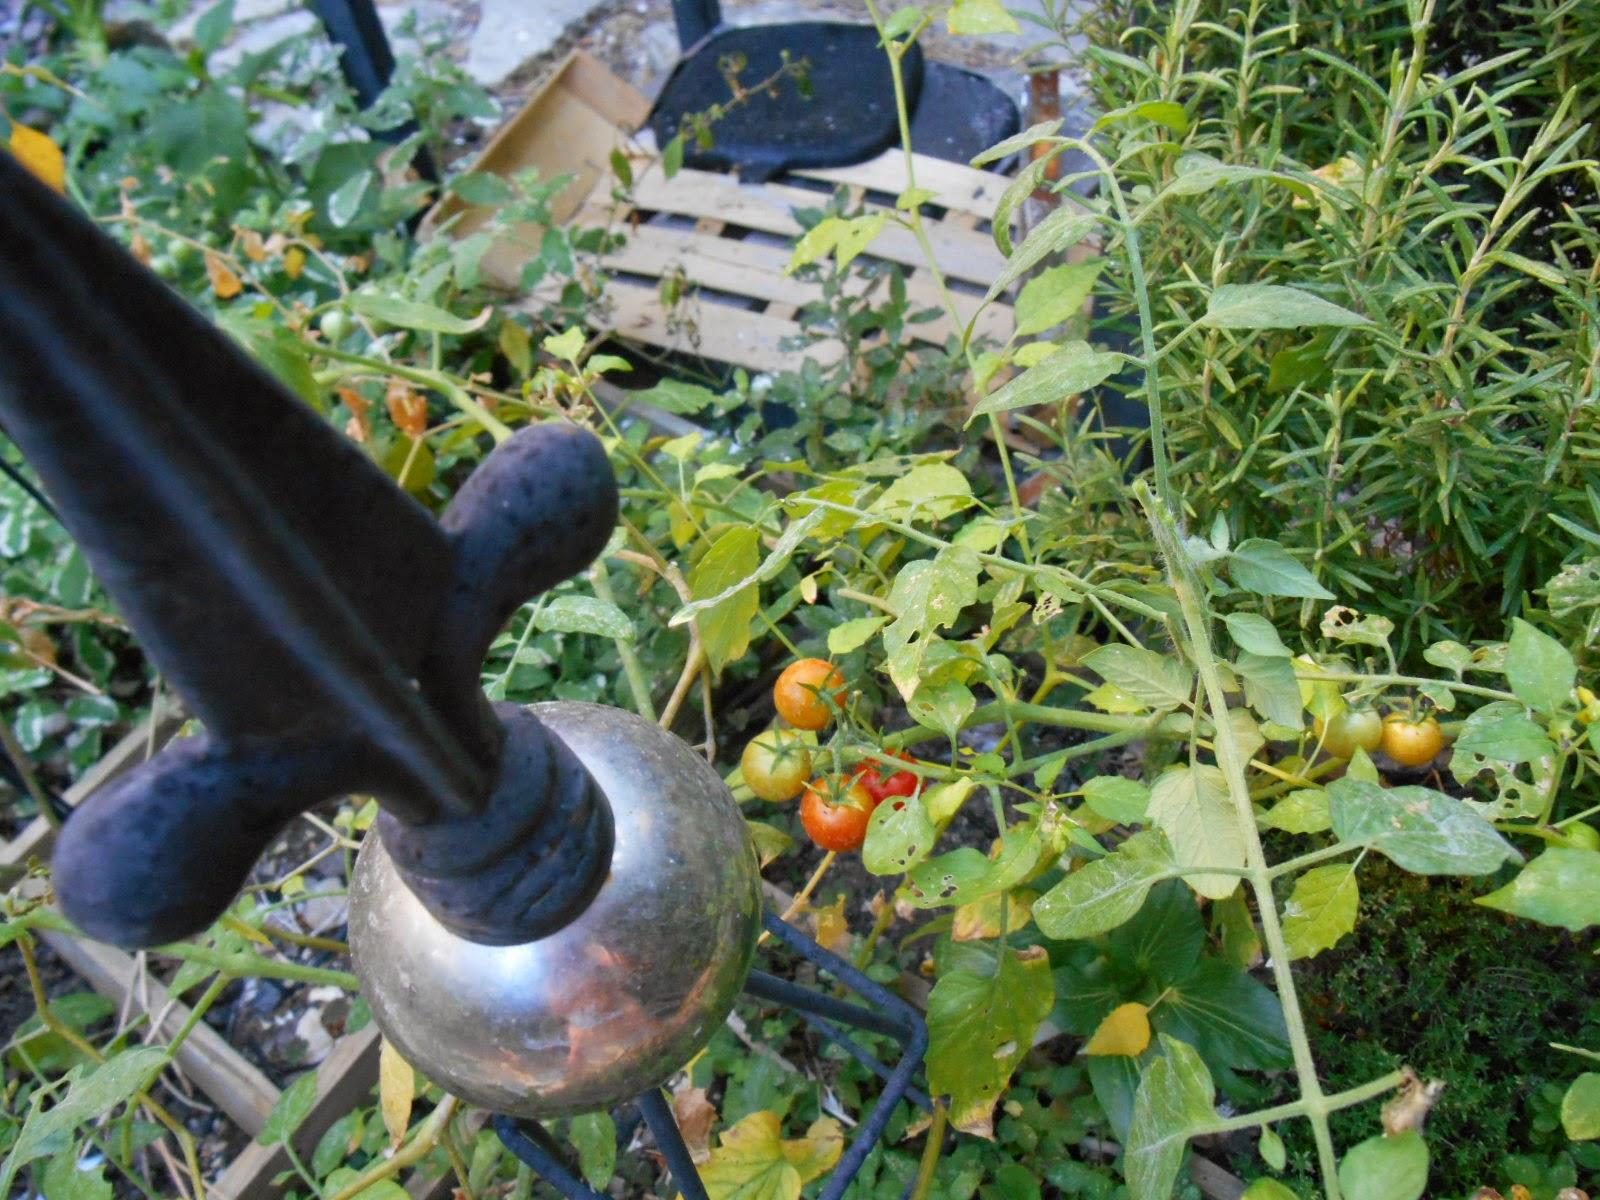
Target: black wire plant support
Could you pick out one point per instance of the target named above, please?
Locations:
(889, 1016)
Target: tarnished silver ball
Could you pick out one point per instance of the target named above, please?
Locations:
(616, 1001)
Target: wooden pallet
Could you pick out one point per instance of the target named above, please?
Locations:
(725, 243)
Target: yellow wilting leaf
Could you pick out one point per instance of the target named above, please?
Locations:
(294, 261)
(980, 919)
(833, 927)
(140, 248)
(752, 1161)
(223, 281)
(39, 153)
(396, 1083)
(252, 245)
(1125, 1031)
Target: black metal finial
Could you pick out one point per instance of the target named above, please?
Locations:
(325, 629)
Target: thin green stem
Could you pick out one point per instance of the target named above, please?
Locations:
(632, 668)
(1232, 762)
(931, 1151)
(437, 380)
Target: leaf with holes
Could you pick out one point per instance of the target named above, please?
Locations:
(1499, 739)
(1157, 681)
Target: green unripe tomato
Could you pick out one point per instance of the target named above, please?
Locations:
(1581, 836)
(335, 325)
(182, 253)
(1350, 730)
(776, 765)
(164, 267)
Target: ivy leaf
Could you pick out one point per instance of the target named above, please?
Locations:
(1418, 829)
(1174, 1102)
(1267, 569)
(1539, 669)
(1230, 1018)
(1158, 681)
(1107, 892)
(1192, 807)
(725, 627)
(1125, 1031)
(1272, 306)
(752, 1161)
(1386, 1167)
(1321, 909)
(1071, 370)
(979, 1028)
(584, 614)
(1561, 887)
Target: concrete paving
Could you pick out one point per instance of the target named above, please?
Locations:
(512, 33)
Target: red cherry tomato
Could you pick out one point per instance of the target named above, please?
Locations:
(836, 822)
(881, 783)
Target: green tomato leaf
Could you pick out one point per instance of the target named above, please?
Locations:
(852, 635)
(1104, 894)
(1125, 801)
(1192, 807)
(979, 17)
(584, 614)
(943, 706)
(731, 562)
(292, 1108)
(1163, 112)
(1386, 1167)
(1304, 810)
(1158, 681)
(1053, 296)
(1539, 669)
(932, 491)
(1267, 569)
(413, 314)
(1561, 887)
(1063, 228)
(1071, 370)
(979, 1028)
(1321, 909)
(927, 595)
(1254, 634)
(1173, 1103)
(1418, 829)
(1499, 739)
(1267, 1189)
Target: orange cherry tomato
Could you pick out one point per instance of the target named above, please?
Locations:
(1412, 743)
(775, 764)
(836, 822)
(799, 692)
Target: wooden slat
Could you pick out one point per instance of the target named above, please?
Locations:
(344, 1079)
(225, 1076)
(748, 268)
(720, 332)
(962, 254)
(954, 185)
